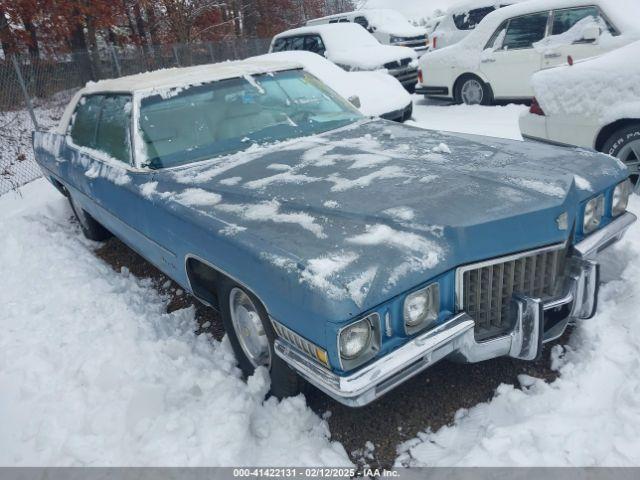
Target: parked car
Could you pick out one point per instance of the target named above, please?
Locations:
(496, 61)
(460, 20)
(375, 94)
(593, 104)
(348, 251)
(352, 48)
(388, 26)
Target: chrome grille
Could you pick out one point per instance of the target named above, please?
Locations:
(484, 290)
(294, 339)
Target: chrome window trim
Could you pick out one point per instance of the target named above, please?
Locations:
(460, 271)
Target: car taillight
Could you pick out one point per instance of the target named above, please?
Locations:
(434, 43)
(420, 75)
(536, 109)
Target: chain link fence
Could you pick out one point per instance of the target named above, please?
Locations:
(34, 92)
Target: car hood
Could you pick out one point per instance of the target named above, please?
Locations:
(371, 57)
(366, 212)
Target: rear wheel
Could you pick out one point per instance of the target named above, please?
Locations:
(252, 337)
(625, 145)
(471, 90)
(90, 227)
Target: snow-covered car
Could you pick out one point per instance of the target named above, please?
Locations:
(496, 61)
(388, 26)
(593, 104)
(349, 251)
(375, 94)
(352, 48)
(460, 19)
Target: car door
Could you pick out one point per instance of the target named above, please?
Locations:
(103, 179)
(564, 20)
(514, 59)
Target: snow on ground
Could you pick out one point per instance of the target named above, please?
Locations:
(500, 121)
(94, 372)
(17, 165)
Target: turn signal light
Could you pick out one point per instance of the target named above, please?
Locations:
(420, 75)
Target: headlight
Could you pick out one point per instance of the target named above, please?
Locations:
(593, 212)
(359, 342)
(355, 339)
(621, 198)
(421, 308)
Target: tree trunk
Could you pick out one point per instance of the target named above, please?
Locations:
(93, 46)
(78, 44)
(34, 48)
(7, 39)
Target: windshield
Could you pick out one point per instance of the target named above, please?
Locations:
(220, 118)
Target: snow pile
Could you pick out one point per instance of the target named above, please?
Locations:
(392, 22)
(590, 416)
(93, 371)
(605, 87)
(496, 121)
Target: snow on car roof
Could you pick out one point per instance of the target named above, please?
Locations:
(176, 77)
(623, 13)
(606, 86)
(335, 29)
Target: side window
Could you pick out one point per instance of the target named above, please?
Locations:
(497, 39)
(361, 21)
(564, 20)
(85, 121)
(280, 45)
(313, 43)
(296, 43)
(344, 20)
(335, 20)
(113, 137)
(524, 31)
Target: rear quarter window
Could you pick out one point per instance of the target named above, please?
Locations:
(84, 122)
(113, 135)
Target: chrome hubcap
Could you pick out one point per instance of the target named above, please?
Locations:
(630, 155)
(249, 329)
(472, 92)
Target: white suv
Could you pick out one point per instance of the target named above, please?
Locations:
(351, 47)
(496, 61)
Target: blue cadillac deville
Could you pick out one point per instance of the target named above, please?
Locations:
(351, 252)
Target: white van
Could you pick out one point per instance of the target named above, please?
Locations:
(388, 26)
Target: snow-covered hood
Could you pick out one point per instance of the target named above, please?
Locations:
(370, 57)
(380, 207)
(398, 29)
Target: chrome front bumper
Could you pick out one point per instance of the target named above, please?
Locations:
(456, 338)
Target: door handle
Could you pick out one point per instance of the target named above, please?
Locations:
(489, 60)
(553, 55)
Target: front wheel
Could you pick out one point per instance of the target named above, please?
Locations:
(625, 145)
(471, 90)
(252, 337)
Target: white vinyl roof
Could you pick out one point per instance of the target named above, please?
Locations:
(177, 77)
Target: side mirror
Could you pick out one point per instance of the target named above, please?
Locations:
(591, 33)
(355, 101)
